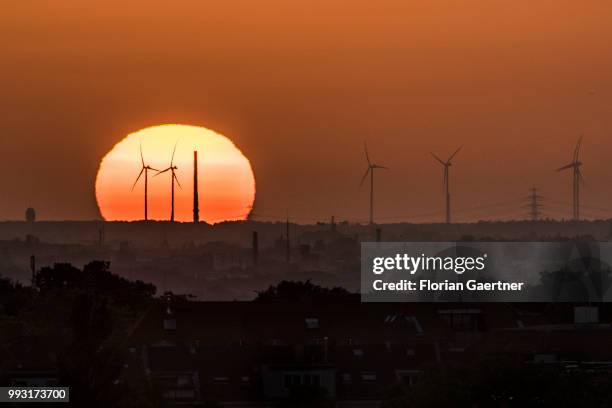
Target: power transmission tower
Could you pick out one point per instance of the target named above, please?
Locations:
(534, 205)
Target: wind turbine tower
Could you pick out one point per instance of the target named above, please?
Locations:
(446, 187)
(196, 199)
(577, 179)
(172, 169)
(145, 169)
(370, 171)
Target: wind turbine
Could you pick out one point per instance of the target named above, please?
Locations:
(446, 187)
(172, 169)
(577, 179)
(370, 171)
(145, 169)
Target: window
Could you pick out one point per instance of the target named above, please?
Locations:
(221, 380)
(295, 380)
(312, 379)
(169, 324)
(346, 378)
(358, 352)
(463, 319)
(292, 380)
(368, 376)
(183, 381)
(312, 323)
(408, 377)
(184, 394)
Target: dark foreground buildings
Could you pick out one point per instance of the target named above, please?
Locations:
(259, 354)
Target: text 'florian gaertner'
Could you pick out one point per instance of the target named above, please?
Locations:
(423, 263)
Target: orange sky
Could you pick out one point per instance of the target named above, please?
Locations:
(299, 85)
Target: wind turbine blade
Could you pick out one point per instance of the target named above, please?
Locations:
(177, 181)
(365, 147)
(138, 178)
(162, 172)
(365, 175)
(569, 166)
(454, 154)
(577, 150)
(141, 155)
(151, 168)
(377, 166)
(438, 159)
(173, 152)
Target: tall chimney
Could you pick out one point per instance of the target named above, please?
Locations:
(101, 234)
(288, 249)
(196, 201)
(33, 269)
(255, 248)
(333, 223)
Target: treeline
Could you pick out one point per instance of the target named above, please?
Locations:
(76, 323)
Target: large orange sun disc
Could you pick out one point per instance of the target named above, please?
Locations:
(226, 182)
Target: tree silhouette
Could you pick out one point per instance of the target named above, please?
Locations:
(297, 291)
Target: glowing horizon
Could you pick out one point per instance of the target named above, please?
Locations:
(226, 180)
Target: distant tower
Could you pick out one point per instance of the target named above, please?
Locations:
(33, 269)
(101, 234)
(30, 215)
(255, 248)
(534, 205)
(196, 200)
(288, 247)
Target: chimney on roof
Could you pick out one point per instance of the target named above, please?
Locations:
(196, 201)
(169, 319)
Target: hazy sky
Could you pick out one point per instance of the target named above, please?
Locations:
(299, 85)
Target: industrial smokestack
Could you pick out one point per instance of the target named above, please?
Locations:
(255, 248)
(33, 269)
(196, 201)
(288, 248)
(101, 233)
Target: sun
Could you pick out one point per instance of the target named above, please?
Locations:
(226, 182)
